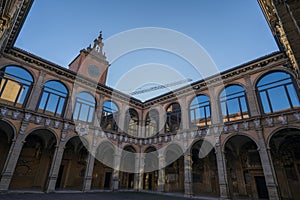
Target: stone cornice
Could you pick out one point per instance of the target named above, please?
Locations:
(275, 24)
(16, 24)
(16, 53)
(274, 58)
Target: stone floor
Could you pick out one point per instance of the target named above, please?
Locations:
(89, 196)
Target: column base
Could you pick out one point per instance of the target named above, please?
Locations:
(273, 192)
(161, 188)
(87, 184)
(188, 195)
(224, 194)
(5, 182)
(115, 185)
(188, 192)
(51, 185)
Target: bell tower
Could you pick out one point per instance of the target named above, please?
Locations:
(91, 62)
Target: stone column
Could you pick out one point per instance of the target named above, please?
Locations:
(36, 92)
(12, 158)
(161, 173)
(141, 172)
(55, 166)
(116, 170)
(188, 181)
(222, 173)
(137, 171)
(89, 171)
(251, 97)
(267, 167)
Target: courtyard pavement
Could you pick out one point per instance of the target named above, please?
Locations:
(90, 196)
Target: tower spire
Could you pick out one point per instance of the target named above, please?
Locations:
(100, 36)
(97, 49)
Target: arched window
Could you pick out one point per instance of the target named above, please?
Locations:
(233, 103)
(110, 114)
(200, 114)
(84, 107)
(131, 122)
(53, 99)
(152, 123)
(173, 117)
(277, 92)
(15, 85)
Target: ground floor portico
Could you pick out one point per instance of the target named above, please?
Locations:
(258, 164)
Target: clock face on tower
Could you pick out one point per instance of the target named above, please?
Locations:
(94, 71)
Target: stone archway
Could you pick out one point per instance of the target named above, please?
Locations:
(150, 177)
(204, 169)
(73, 165)
(6, 136)
(285, 152)
(103, 173)
(174, 170)
(34, 162)
(244, 169)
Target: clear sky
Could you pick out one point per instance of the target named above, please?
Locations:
(232, 31)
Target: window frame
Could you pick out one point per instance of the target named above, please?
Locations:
(225, 99)
(148, 122)
(29, 86)
(48, 97)
(285, 85)
(128, 125)
(79, 111)
(177, 113)
(114, 122)
(196, 107)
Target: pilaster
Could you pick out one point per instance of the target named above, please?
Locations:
(36, 92)
(121, 119)
(251, 97)
(216, 114)
(68, 114)
(184, 114)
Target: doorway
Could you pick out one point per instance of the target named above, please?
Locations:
(261, 187)
(130, 181)
(107, 180)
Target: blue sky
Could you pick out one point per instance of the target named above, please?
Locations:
(232, 31)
